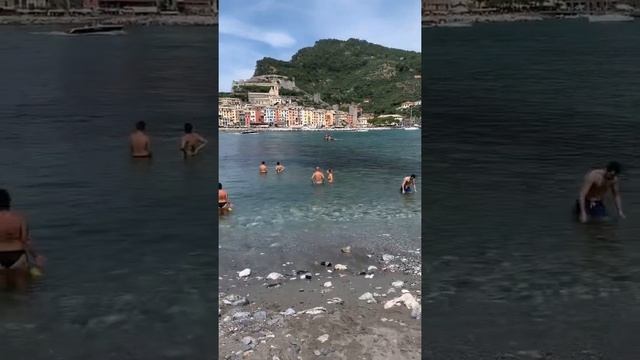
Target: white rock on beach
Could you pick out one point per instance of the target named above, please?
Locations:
(327, 284)
(288, 312)
(274, 276)
(315, 311)
(368, 297)
(370, 276)
(340, 267)
(387, 257)
(244, 273)
(372, 268)
(397, 284)
(409, 301)
(323, 338)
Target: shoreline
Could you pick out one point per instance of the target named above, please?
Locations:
(165, 20)
(369, 308)
(237, 130)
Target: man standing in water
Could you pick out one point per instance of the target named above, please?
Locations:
(223, 200)
(263, 168)
(140, 143)
(407, 183)
(15, 245)
(192, 142)
(279, 168)
(596, 184)
(330, 176)
(318, 177)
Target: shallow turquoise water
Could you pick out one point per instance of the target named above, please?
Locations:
(285, 217)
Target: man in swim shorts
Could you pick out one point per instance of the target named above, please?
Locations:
(279, 167)
(263, 168)
(140, 143)
(597, 183)
(15, 245)
(192, 142)
(407, 183)
(223, 199)
(318, 177)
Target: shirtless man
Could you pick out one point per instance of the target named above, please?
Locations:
(15, 244)
(140, 143)
(192, 142)
(279, 168)
(318, 177)
(263, 168)
(330, 176)
(407, 183)
(223, 200)
(596, 184)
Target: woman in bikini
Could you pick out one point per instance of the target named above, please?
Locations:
(15, 246)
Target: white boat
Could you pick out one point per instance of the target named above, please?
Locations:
(412, 128)
(609, 18)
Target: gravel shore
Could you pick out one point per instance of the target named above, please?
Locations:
(345, 309)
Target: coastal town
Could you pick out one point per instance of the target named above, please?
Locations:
(178, 12)
(465, 12)
(261, 109)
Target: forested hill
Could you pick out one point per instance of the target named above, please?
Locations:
(352, 71)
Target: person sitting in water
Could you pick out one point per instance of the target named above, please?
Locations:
(330, 176)
(597, 183)
(407, 183)
(263, 168)
(317, 177)
(140, 143)
(15, 244)
(192, 142)
(223, 199)
(279, 167)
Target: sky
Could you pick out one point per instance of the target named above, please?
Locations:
(252, 29)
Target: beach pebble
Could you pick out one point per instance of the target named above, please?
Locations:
(327, 284)
(372, 268)
(274, 276)
(325, 263)
(323, 338)
(369, 276)
(235, 300)
(289, 312)
(335, 300)
(317, 352)
(340, 267)
(241, 315)
(260, 315)
(397, 284)
(387, 257)
(244, 273)
(248, 340)
(346, 249)
(306, 276)
(315, 311)
(409, 301)
(404, 291)
(368, 297)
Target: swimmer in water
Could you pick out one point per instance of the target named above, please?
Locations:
(140, 142)
(407, 183)
(330, 176)
(597, 183)
(263, 168)
(16, 250)
(279, 168)
(192, 142)
(318, 177)
(223, 200)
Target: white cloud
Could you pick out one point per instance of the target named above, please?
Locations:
(231, 26)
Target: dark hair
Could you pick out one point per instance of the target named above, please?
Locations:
(278, 163)
(615, 167)
(219, 185)
(141, 125)
(413, 176)
(262, 162)
(188, 128)
(5, 200)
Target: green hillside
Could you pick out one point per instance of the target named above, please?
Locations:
(352, 71)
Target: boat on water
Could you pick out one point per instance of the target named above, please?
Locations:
(249, 132)
(411, 128)
(95, 29)
(609, 18)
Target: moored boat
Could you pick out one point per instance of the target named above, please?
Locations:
(93, 29)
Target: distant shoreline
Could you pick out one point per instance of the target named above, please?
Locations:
(165, 20)
(449, 19)
(306, 130)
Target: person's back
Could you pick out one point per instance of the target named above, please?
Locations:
(263, 168)
(318, 176)
(140, 142)
(330, 176)
(14, 236)
(192, 142)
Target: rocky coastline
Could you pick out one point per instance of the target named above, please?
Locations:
(131, 20)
